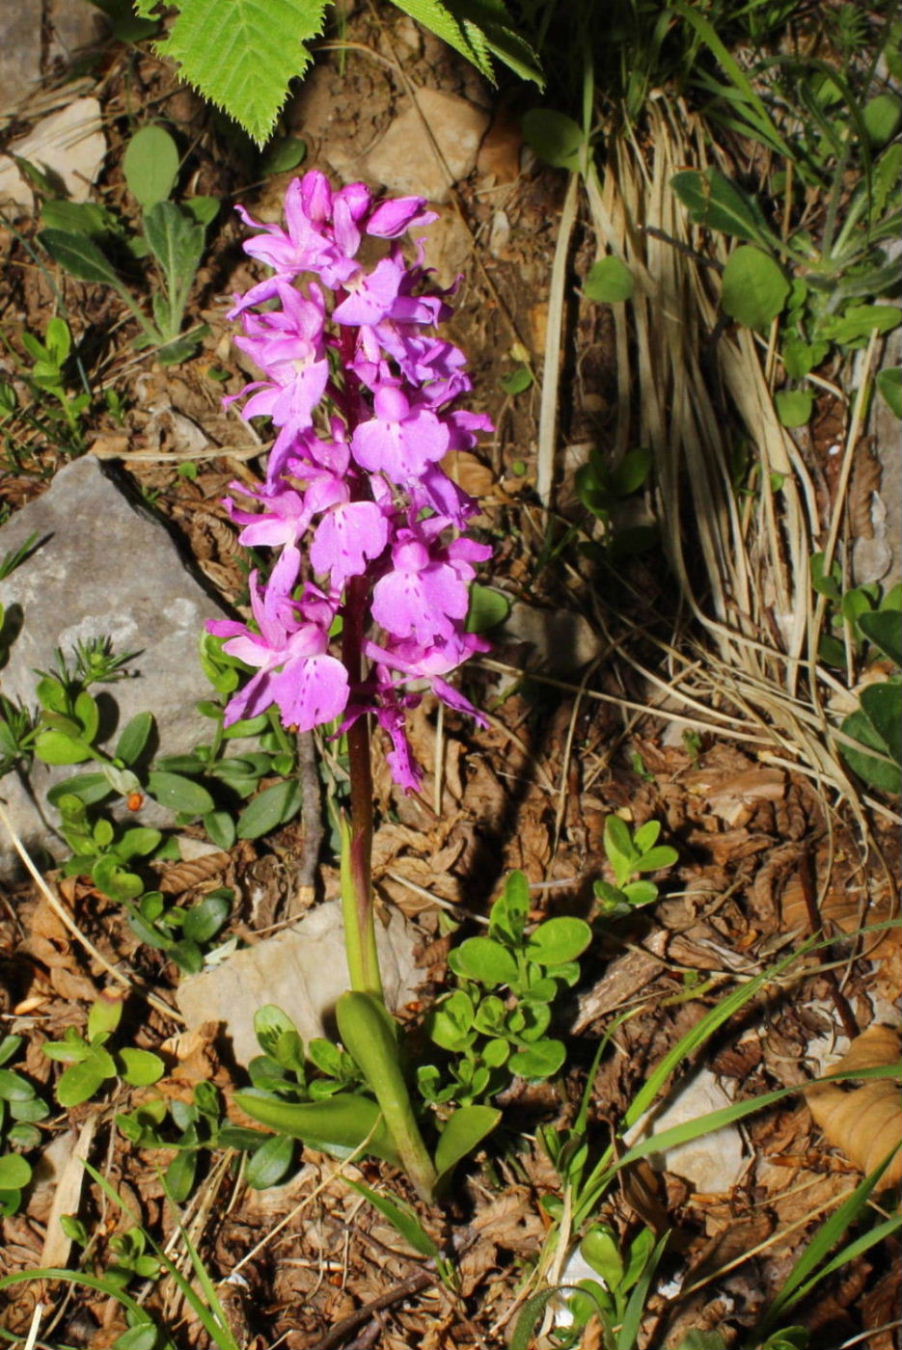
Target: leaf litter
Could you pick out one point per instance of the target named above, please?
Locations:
(307, 1257)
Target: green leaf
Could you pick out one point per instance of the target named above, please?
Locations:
(220, 829)
(440, 20)
(204, 920)
(138, 842)
(889, 382)
(203, 209)
(90, 788)
(609, 282)
(338, 1126)
(464, 1131)
(482, 959)
(518, 381)
(115, 881)
(882, 118)
(14, 1088)
(283, 155)
(511, 909)
(656, 859)
(242, 56)
(104, 1017)
(878, 773)
(269, 1163)
(269, 809)
(794, 406)
(558, 940)
(755, 287)
(858, 322)
(80, 256)
(451, 1024)
(713, 201)
(883, 627)
(78, 218)
(135, 737)
(178, 793)
(55, 747)
(883, 705)
(15, 1172)
(402, 1217)
(80, 1081)
(542, 1060)
(601, 1248)
(151, 165)
(488, 609)
(555, 137)
(181, 1174)
(177, 243)
(141, 1067)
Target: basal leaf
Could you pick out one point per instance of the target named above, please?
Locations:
(464, 1131)
(713, 201)
(338, 1126)
(242, 55)
(271, 808)
(555, 137)
(270, 1162)
(794, 406)
(178, 793)
(80, 256)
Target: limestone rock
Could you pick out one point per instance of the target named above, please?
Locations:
(102, 567)
(68, 145)
(405, 159)
(302, 971)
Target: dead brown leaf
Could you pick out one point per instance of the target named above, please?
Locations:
(864, 1122)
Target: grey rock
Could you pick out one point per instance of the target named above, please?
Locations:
(69, 27)
(69, 144)
(103, 567)
(562, 642)
(303, 971)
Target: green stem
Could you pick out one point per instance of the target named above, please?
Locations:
(357, 836)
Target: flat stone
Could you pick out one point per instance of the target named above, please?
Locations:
(562, 641)
(303, 971)
(405, 159)
(20, 51)
(103, 567)
(714, 1162)
(69, 145)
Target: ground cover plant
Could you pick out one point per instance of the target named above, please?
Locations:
(553, 627)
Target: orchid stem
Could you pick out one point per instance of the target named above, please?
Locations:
(357, 835)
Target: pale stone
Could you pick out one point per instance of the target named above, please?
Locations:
(562, 642)
(406, 159)
(303, 971)
(102, 567)
(713, 1163)
(69, 145)
(448, 246)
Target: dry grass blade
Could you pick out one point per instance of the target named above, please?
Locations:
(551, 369)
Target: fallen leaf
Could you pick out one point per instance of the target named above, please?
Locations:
(864, 1122)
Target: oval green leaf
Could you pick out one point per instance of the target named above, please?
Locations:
(609, 282)
(482, 959)
(755, 288)
(271, 808)
(268, 1165)
(555, 138)
(151, 165)
(558, 940)
(15, 1172)
(178, 793)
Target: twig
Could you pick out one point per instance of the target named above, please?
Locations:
(311, 809)
(412, 1285)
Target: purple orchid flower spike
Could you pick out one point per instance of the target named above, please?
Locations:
(359, 503)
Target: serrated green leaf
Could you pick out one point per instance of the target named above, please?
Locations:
(151, 165)
(441, 21)
(243, 55)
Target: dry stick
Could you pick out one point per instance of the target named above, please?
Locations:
(131, 983)
(311, 810)
(551, 369)
(412, 1285)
